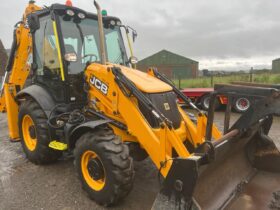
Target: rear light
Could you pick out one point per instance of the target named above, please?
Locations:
(223, 99)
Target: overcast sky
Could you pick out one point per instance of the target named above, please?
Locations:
(220, 34)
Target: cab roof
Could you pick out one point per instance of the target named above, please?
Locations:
(61, 7)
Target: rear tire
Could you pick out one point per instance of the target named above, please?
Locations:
(104, 166)
(205, 101)
(34, 133)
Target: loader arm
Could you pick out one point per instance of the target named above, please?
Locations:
(17, 70)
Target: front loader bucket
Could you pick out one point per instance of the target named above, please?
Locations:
(245, 170)
(225, 179)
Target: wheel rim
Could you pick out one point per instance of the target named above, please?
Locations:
(206, 102)
(242, 104)
(29, 133)
(93, 170)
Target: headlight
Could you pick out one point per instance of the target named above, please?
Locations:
(112, 22)
(81, 15)
(70, 12)
(119, 23)
(133, 60)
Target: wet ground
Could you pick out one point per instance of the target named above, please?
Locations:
(27, 186)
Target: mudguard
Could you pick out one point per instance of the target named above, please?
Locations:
(40, 95)
(72, 135)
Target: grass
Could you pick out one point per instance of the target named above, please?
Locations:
(204, 82)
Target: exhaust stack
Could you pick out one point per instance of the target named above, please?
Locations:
(101, 33)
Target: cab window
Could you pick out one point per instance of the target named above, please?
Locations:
(48, 72)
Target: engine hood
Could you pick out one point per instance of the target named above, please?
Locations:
(145, 82)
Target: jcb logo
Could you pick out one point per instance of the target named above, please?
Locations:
(99, 85)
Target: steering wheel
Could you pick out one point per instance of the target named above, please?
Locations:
(91, 56)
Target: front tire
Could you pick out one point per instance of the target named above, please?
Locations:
(34, 133)
(104, 166)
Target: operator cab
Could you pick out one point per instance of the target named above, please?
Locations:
(65, 40)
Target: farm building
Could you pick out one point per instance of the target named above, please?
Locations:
(3, 59)
(172, 65)
(276, 65)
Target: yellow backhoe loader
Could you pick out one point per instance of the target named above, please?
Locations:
(70, 87)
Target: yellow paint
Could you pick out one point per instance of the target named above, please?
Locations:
(191, 129)
(18, 75)
(58, 51)
(123, 135)
(129, 44)
(158, 142)
(96, 185)
(2, 104)
(143, 81)
(58, 145)
(27, 124)
(12, 111)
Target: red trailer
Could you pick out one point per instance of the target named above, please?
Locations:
(201, 97)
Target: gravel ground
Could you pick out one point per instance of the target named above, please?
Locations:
(27, 186)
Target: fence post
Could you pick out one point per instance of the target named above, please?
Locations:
(212, 80)
(179, 83)
(251, 74)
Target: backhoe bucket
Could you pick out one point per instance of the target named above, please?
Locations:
(243, 171)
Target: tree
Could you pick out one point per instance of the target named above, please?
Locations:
(3, 59)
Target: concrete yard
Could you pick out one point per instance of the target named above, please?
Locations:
(24, 185)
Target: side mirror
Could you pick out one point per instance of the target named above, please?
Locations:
(33, 22)
(134, 32)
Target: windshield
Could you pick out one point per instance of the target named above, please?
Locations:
(81, 37)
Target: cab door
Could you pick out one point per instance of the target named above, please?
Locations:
(49, 71)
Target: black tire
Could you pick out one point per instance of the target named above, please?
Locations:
(205, 100)
(241, 104)
(42, 153)
(136, 152)
(116, 164)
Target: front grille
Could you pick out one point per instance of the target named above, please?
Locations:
(166, 103)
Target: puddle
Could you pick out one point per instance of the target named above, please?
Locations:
(10, 157)
(10, 153)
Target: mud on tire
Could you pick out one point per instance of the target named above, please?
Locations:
(113, 157)
(40, 153)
